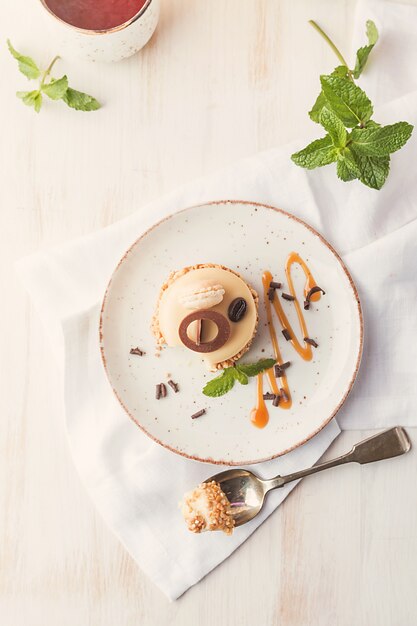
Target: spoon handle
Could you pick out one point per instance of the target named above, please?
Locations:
(390, 443)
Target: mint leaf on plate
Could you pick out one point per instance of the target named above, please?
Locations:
(225, 382)
(319, 152)
(26, 65)
(241, 376)
(253, 369)
(221, 384)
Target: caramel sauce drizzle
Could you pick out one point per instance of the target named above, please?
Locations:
(259, 414)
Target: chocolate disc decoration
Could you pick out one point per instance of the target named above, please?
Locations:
(223, 330)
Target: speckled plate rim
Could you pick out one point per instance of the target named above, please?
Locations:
(358, 359)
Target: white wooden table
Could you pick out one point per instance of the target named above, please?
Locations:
(219, 81)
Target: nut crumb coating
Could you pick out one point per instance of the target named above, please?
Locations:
(219, 513)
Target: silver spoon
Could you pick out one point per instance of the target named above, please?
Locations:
(246, 492)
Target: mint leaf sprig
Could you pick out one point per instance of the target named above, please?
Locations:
(359, 146)
(55, 89)
(225, 382)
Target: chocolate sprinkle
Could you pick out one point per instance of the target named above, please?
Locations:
(286, 334)
(268, 396)
(285, 365)
(163, 390)
(173, 385)
(274, 285)
(312, 291)
(198, 414)
(137, 351)
(287, 296)
(276, 400)
(311, 342)
(271, 294)
(315, 289)
(279, 371)
(284, 396)
(158, 392)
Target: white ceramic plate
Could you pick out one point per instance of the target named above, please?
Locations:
(248, 238)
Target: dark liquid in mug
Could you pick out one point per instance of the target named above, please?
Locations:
(95, 14)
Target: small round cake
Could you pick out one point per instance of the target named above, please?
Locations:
(208, 309)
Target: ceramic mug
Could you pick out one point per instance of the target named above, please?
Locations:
(111, 44)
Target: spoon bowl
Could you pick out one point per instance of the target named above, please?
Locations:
(246, 492)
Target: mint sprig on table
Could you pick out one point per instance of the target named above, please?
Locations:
(225, 382)
(55, 89)
(359, 146)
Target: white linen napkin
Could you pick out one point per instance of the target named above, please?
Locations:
(134, 482)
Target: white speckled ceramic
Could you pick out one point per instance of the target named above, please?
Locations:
(112, 44)
(248, 238)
